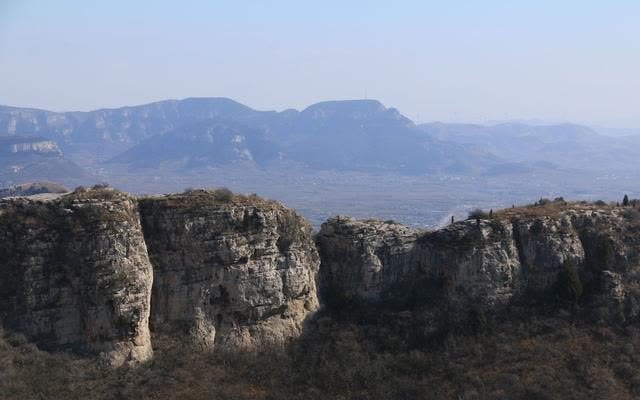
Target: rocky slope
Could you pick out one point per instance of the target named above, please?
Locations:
(519, 257)
(229, 271)
(74, 274)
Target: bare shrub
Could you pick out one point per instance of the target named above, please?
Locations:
(223, 194)
(478, 214)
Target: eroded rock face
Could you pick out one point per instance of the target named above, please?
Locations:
(510, 259)
(380, 262)
(231, 273)
(365, 260)
(74, 274)
(471, 262)
(91, 270)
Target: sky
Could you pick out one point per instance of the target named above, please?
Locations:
(472, 61)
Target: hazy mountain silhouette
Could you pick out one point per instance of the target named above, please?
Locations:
(353, 135)
(358, 135)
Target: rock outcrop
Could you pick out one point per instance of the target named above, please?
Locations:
(514, 258)
(76, 271)
(366, 260)
(95, 271)
(74, 274)
(229, 271)
(26, 144)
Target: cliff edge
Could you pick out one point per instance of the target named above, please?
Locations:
(75, 275)
(569, 253)
(230, 271)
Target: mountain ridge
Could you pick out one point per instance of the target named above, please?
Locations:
(188, 137)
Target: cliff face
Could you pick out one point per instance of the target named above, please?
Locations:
(18, 144)
(365, 260)
(92, 270)
(514, 258)
(74, 274)
(232, 272)
(229, 271)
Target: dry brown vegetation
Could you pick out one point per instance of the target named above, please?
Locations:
(210, 197)
(550, 208)
(539, 358)
(97, 192)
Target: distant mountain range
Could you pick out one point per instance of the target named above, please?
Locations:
(356, 135)
(560, 146)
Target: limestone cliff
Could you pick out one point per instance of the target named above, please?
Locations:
(514, 258)
(95, 271)
(230, 271)
(227, 270)
(365, 260)
(74, 274)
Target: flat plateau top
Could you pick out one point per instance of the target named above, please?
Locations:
(39, 196)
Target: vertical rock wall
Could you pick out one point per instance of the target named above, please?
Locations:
(230, 272)
(512, 258)
(74, 274)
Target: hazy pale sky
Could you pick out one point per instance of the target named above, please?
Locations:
(468, 60)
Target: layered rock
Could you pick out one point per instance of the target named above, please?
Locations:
(365, 260)
(470, 262)
(75, 275)
(514, 258)
(89, 271)
(229, 271)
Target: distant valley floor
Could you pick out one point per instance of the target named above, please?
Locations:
(420, 201)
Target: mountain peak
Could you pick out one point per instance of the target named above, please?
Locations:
(348, 106)
(362, 109)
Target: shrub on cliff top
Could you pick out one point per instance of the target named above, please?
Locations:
(478, 214)
(223, 194)
(544, 201)
(289, 230)
(102, 185)
(97, 192)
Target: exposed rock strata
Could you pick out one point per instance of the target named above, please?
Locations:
(233, 273)
(510, 259)
(229, 271)
(91, 270)
(365, 260)
(74, 274)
